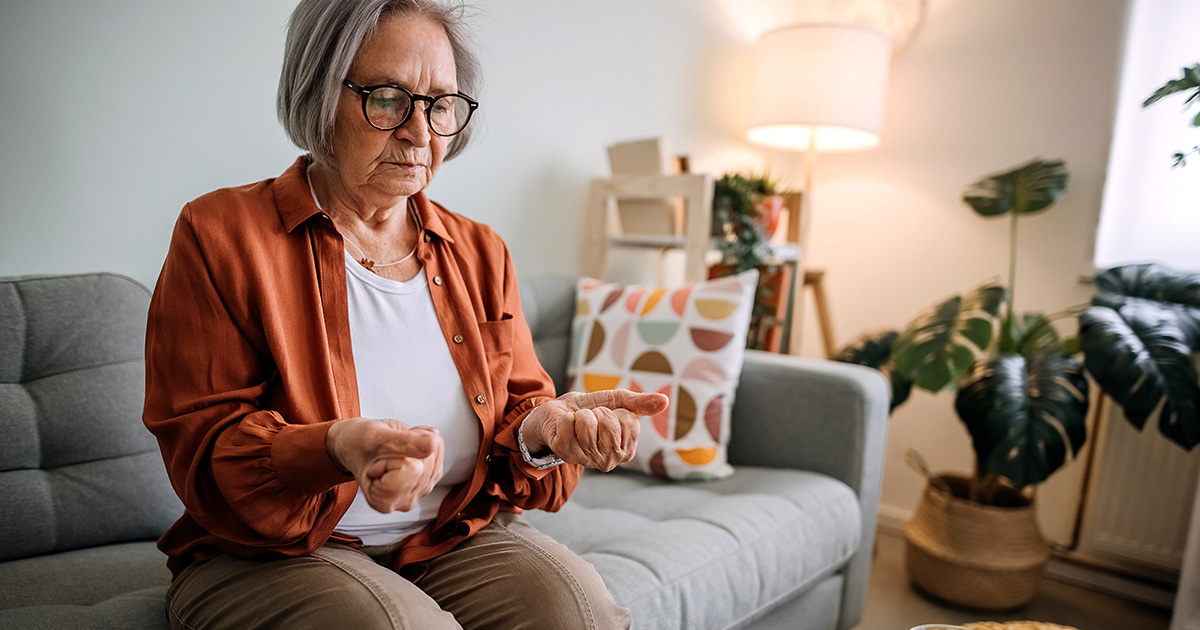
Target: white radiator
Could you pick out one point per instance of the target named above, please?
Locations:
(1140, 502)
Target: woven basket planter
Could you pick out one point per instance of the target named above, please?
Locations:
(974, 555)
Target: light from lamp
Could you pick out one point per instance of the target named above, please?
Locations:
(831, 78)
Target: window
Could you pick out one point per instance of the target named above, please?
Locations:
(1151, 212)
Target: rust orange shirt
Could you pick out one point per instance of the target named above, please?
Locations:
(248, 362)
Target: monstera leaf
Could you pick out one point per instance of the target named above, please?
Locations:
(1152, 282)
(1189, 80)
(875, 350)
(1138, 340)
(1027, 189)
(1140, 353)
(1034, 334)
(942, 343)
(1024, 414)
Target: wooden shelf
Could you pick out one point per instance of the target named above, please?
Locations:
(700, 248)
(784, 252)
(778, 253)
(651, 241)
(694, 189)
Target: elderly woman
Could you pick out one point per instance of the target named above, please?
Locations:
(340, 377)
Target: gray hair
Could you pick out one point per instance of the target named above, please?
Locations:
(323, 38)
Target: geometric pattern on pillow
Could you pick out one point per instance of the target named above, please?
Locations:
(686, 342)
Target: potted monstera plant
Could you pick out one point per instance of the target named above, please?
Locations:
(1023, 396)
(980, 346)
(974, 539)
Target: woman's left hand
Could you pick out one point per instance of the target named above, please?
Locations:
(598, 430)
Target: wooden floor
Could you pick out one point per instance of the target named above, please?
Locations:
(893, 605)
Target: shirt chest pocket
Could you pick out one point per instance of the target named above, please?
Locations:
(497, 336)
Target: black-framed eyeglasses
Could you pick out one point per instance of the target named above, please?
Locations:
(387, 107)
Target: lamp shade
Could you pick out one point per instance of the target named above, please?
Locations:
(827, 78)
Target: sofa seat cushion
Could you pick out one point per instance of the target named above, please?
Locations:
(144, 610)
(82, 577)
(718, 552)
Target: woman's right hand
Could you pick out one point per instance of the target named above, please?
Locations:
(394, 464)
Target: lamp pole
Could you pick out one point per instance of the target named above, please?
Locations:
(795, 334)
(809, 79)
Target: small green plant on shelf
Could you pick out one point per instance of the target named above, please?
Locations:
(746, 208)
(737, 219)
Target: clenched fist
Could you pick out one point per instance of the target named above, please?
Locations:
(598, 430)
(394, 464)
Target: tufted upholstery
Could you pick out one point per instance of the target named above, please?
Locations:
(77, 468)
(719, 551)
(82, 483)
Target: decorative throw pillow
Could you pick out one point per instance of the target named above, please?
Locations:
(686, 342)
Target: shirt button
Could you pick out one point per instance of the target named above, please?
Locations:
(458, 338)
(437, 280)
(481, 399)
(427, 238)
(487, 458)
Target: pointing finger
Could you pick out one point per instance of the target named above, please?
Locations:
(640, 404)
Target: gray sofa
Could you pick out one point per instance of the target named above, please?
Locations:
(784, 543)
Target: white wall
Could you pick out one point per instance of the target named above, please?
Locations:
(114, 114)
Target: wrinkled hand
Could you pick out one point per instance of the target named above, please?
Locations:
(394, 464)
(598, 430)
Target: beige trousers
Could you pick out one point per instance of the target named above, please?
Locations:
(509, 575)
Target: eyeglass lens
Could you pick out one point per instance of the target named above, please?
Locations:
(386, 108)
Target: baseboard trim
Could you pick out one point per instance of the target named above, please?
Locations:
(1061, 568)
(891, 520)
(1064, 569)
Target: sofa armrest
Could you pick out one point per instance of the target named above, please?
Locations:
(808, 414)
(820, 416)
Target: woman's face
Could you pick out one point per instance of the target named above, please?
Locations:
(414, 53)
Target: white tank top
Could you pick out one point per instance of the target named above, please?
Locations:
(405, 372)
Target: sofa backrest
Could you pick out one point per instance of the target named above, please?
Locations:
(549, 305)
(77, 467)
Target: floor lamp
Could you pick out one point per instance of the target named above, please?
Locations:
(817, 87)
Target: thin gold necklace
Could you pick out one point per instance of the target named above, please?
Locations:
(371, 264)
